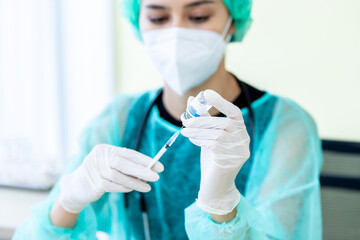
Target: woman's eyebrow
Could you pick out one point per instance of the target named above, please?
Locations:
(157, 7)
(198, 3)
(189, 5)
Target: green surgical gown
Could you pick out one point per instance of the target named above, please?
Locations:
(279, 184)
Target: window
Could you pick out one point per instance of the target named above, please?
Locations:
(56, 73)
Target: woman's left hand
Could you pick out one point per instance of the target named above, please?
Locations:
(224, 144)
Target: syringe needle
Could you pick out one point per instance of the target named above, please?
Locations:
(164, 148)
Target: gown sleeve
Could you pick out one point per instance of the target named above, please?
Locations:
(106, 128)
(283, 191)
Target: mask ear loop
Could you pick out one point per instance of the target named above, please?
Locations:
(226, 30)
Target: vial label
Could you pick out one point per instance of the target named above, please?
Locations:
(198, 107)
(192, 112)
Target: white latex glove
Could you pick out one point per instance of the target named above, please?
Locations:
(106, 169)
(224, 144)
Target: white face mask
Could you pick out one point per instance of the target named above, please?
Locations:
(186, 57)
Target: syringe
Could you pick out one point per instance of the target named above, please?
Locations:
(164, 148)
(198, 107)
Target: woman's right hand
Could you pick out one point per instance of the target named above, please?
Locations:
(106, 169)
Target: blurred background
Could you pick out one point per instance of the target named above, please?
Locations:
(61, 62)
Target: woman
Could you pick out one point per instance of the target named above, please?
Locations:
(272, 193)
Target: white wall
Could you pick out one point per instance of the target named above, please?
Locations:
(306, 50)
(87, 47)
(135, 71)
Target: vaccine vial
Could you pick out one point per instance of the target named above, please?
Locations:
(197, 107)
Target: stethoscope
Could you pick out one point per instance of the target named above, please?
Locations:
(143, 206)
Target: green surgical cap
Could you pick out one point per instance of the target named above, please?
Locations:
(239, 10)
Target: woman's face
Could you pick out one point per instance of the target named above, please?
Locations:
(197, 14)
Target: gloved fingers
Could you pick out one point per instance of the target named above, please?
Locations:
(134, 156)
(139, 158)
(158, 167)
(205, 122)
(127, 181)
(222, 136)
(183, 119)
(206, 134)
(207, 114)
(235, 141)
(228, 150)
(109, 186)
(222, 105)
(190, 100)
(131, 168)
(228, 124)
(210, 144)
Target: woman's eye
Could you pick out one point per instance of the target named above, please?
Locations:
(158, 20)
(199, 19)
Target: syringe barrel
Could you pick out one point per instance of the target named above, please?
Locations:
(157, 157)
